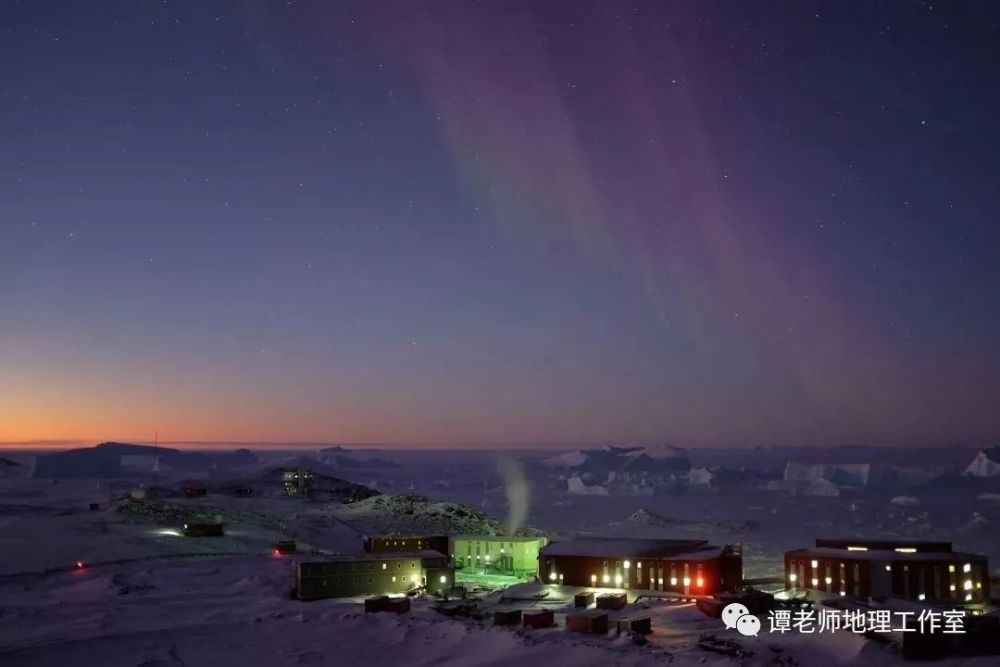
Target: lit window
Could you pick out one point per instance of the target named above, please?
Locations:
(967, 567)
(627, 565)
(906, 550)
(857, 548)
(814, 564)
(639, 565)
(951, 568)
(967, 585)
(383, 566)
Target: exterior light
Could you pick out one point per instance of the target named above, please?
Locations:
(843, 593)
(552, 576)
(815, 582)
(968, 597)
(606, 579)
(687, 581)
(627, 564)
(792, 577)
(952, 588)
(639, 565)
(979, 584)
(967, 567)
(921, 597)
(699, 582)
(888, 568)
(444, 579)
(828, 581)
(383, 566)
(905, 550)
(857, 548)
(673, 581)
(618, 579)
(814, 564)
(593, 578)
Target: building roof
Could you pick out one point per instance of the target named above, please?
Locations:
(626, 547)
(385, 555)
(876, 544)
(885, 555)
(497, 538)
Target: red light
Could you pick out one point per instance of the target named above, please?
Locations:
(700, 582)
(79, 564)
(277, 554)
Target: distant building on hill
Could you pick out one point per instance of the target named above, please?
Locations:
(860, 568)
(685, 567)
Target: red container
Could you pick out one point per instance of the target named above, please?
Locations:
(538, 618)
(590, 623)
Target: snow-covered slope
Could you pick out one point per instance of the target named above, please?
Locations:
(985, 464)
(411, 514)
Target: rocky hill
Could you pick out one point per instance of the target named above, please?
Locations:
(414, 514)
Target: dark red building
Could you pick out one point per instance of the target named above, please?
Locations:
(857, 568)
(685, 567)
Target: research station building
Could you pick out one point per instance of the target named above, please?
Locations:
(684, 567)
(516, 556)
(858, 568)
(390, 543)
(374, 574)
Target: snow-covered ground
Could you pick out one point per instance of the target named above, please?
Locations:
(148, 596)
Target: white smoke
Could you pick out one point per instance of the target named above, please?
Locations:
(518, 492)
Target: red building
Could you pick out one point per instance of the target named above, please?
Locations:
(686, 567)
(930, 571)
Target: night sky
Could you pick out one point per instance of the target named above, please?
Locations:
(500, 222)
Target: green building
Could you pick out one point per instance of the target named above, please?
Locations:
(517, 556)
(373, 574)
